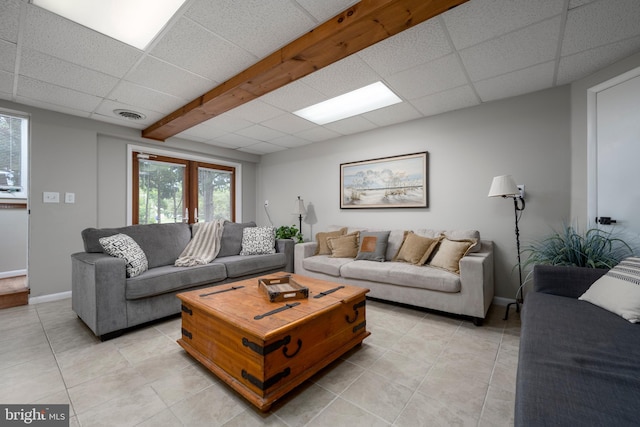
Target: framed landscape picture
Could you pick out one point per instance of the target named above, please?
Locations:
(390, 182)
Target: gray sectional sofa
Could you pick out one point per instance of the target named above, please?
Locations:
(578, 363)
(108, 301)
(468, 293)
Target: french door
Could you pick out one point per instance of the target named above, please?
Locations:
(169, 189)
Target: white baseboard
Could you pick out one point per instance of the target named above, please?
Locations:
(50, 297)
(502, 301)
(14, 273)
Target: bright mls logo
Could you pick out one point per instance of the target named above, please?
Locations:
(36, 415)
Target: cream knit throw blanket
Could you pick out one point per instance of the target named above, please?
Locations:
(204, 246)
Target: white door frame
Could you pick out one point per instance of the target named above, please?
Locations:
(592, 139)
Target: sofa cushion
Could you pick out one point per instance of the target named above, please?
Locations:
(453, 235)
(241, 265)
(325, 264)
(258, 241)
(416, 249)
(122, 246)
(169, 278)
(231, 243)
(578, 365)
(161, 243)
(449, 253)
(344, 246)
(321, 238)
(402, 274)
(373, 245)
(619, 290)
(396, 237)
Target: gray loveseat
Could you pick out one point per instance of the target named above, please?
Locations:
(579, 365)
(108, 301)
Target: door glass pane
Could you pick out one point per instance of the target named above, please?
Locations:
(214, 194)
(161, 196)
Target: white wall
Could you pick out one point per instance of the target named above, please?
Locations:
(88, 158)
(526, 136)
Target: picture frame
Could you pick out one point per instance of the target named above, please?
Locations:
(387, 182)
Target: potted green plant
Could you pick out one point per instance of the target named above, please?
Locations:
(593, 248)
(289, 232)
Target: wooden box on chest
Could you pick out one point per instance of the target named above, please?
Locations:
(263, 349)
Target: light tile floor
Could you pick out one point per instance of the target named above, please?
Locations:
(416, 369)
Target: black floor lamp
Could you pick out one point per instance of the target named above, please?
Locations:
(504, 186)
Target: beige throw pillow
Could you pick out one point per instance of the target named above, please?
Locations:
(416, 249)
(344, 246)
(321, 239)
(449, 254)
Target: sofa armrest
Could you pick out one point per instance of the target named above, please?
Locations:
(302, 251)
(98, 291)
(564, 281)
(286, 246)
(476, 280)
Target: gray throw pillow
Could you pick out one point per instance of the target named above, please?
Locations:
(231, 243)
(373, 245)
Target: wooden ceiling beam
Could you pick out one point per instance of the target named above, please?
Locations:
(360, 26)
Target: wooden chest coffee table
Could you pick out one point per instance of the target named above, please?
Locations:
(264, 349)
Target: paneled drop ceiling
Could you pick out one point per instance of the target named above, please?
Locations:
(481, 51)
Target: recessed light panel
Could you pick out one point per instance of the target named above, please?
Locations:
(368, 98)
(134, 22)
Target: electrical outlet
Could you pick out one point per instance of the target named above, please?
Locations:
(521, 188)
(266, 203)
(69, 197)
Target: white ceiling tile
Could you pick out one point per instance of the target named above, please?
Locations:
(56, 95)
(262, 148)
(64, 39)
(397, 113)
(203, 131)
(7, 56)
(46, 68)
(227, 123)
(516, 83)
(133, 94)
(479, 20)
(250, 23)
(293, 97)
(259, 132)
(341, 77)
(326, 9)
(290, 141)
(39, 103)
(237, 140)
(6, 85)
(222, 144)
(289, 123)
(317, 134)
(415, 46)
(447, 100)
(10, 19)
(105, 109)
(164, 77)
(425, 79)
(582, 64)
(351, 125)
(577, 3)
(600, 23)
(256, 111)
(184, 44)
(530, 46)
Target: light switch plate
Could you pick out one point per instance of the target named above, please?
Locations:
(69, 197)
(50, 197)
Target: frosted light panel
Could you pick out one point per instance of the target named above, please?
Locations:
(134, 22)
(359, 101)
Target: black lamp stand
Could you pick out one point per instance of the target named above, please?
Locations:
(519, 300)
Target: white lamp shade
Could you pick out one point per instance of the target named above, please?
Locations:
(503, 186)
(299, 208)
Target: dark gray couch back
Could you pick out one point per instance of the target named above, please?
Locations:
(161, 243)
